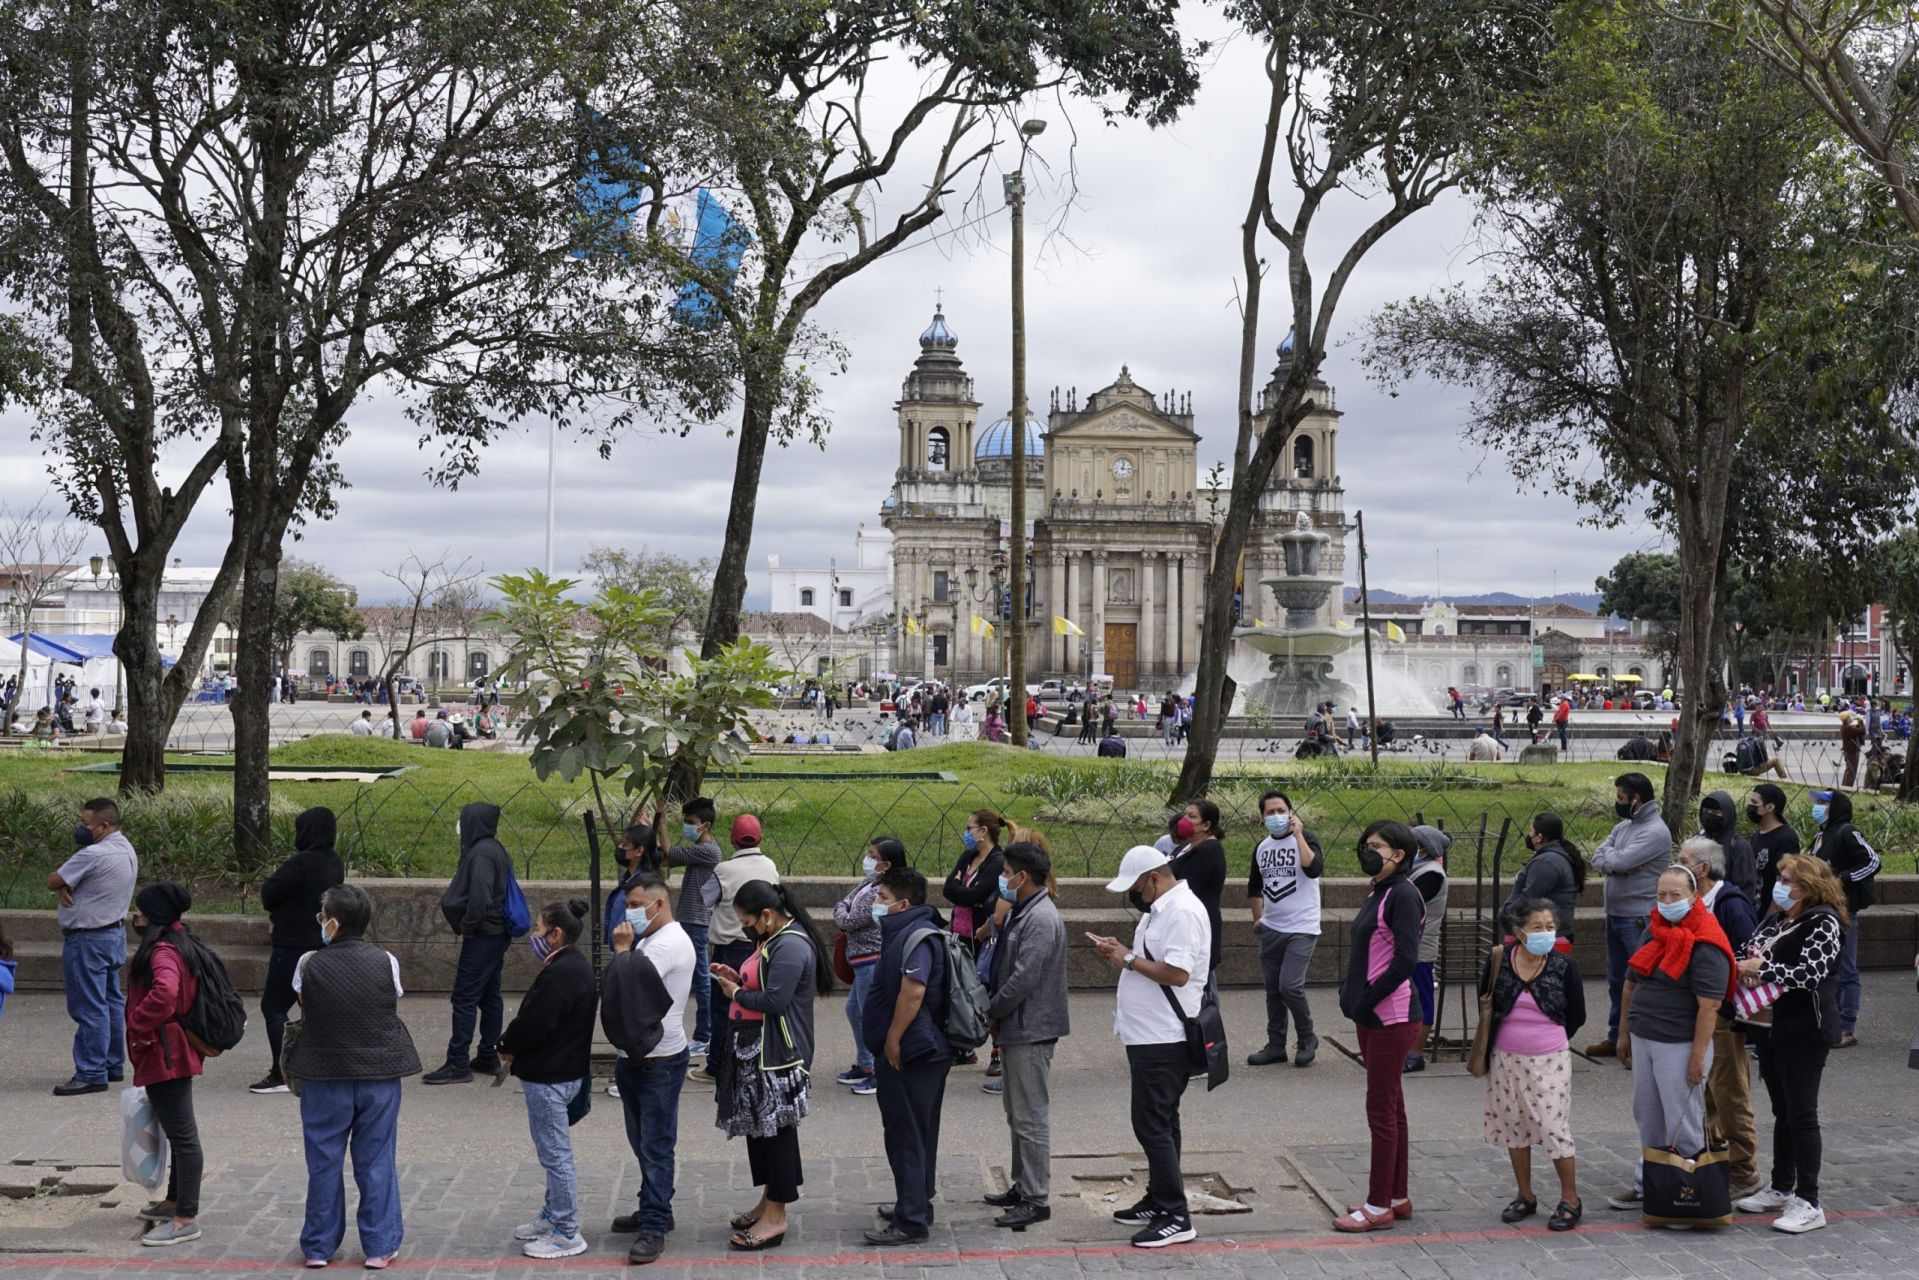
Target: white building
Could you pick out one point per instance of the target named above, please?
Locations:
(840, 594)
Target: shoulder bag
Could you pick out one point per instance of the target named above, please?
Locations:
(1479, 1061)
(1206, 1050)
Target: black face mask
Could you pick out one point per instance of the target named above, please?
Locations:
(1137, 901)
(82, 837)
(1710, 820)
(1752, 812)
(1623, 810)
(1371, 861)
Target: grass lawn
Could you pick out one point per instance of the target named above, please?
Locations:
(1091, 811)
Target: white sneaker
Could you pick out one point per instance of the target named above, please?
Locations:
(613, 1091)
(532, 1230)
(554, 1245)
(1765, 1200)
(1799, 1218)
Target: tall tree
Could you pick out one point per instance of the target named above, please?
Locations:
(289, 206)
(1663, 287)
(1644, 586)
(1374, 98)
(682, 589)
(810, 191)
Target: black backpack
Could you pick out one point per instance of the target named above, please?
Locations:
(1751, 753)
(217, 1019)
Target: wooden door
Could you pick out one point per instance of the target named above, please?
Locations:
(1122, 654)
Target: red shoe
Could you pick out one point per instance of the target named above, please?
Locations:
(1359, 1220)
(1403, 1208)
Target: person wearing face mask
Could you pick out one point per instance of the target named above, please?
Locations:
(1729, 1085)
(163, 983)
(1856, 864)
(1773, 837)
(1377, 995)
(727, 943)
(700, 895)
(1028, 1019)
(474, 905)
(291, 896)
(549, 1046)
(352, 1052)
(1428, 875)
(854, 916)
(643, 1011)
(1719, 822)
(94, 887)
(1538, 1006)
(1202, 865)
(1676, 981)
(1797, 948)
(637, 854)
(1631, 857)
(974, 885)
(1162, 980)
(1283, 894)
(763, 1087)
(1178, 834)
(1556, 872)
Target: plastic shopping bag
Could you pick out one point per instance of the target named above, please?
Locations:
(143, 1145)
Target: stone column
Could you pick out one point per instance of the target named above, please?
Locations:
(1072, 610)
(1097, 631)
(1056, 606)
(1176, 606)
(1148, 650)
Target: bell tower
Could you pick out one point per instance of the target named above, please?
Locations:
(936, 413)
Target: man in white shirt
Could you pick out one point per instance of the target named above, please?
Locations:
(1484, 749)
(649, 1086)
(96, 712)
(1162, 979)
(363, 727)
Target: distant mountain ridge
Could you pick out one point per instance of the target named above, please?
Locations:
(1587, 600)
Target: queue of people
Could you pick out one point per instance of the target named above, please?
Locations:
(929, 988)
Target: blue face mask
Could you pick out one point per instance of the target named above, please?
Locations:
(691, 830)
(970, 840)
(868, 866)
(1006, 890)
(541, 947)
(879, 912)
(327, 938)
(1675, 911)
(1277, 824)
(1541, 944)
(1782, 896)
(636, 916)
(1819, 814)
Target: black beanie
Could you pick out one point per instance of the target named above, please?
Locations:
(163, 902)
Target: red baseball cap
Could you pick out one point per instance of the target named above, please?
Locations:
(746, 828)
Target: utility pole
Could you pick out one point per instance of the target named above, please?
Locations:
(1016, 570)
(552, 486)
(1366, 621)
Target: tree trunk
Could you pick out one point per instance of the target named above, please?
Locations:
(252, 705)
(1213, 688)
(1701, 527)
(149, 711)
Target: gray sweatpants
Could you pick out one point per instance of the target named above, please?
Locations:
(1026, 1071)
(1670, 1114)
(1283, 959)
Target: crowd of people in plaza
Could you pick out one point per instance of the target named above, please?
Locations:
(1700, 942)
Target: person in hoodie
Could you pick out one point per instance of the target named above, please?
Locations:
(1729, 1085)
(1840, 845)
(1719, 822)
(291, 896)
(1429, 877)
(1556, 872)
(474, 905)
(1630, 857)
(911, 1055)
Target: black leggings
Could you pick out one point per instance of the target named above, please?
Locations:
(278, 999)
(172, 1102)
(776, 1164)
(1792, 1070)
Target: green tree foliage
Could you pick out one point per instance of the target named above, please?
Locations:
(312, 600)
(683, 588)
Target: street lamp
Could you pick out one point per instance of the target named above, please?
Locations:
(1016, 647)
(995, 592)
(112, 584)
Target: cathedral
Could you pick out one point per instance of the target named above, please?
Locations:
(1120, 527)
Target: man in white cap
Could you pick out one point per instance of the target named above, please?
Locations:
(1162, 977)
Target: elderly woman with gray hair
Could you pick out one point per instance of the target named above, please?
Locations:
(348, 1058)
(1729, 1084)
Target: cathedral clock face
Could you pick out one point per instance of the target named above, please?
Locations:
(1122, 468)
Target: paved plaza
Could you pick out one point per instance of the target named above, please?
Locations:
(1289, 1144)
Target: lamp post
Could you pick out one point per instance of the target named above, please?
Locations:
(995, 588)
(1016, 610)
(112, 583)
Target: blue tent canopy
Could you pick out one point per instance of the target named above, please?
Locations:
(76, 649)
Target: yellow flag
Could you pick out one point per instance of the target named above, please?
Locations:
(1394, 631)
(1342, 624)
(981, 627)
(1065, 627)
(912, 625)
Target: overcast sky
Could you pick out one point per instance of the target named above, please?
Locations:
(1146, 280)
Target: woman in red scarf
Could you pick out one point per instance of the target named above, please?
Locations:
(1675, 983)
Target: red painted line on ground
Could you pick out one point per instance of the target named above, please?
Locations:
(882, 1257)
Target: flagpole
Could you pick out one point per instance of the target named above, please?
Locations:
(1366, 621)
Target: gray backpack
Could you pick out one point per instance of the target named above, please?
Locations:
(965, 1020)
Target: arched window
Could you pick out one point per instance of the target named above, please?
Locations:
(1469, 674)
(939, 447)
(806, 597)
(358, 663)
(1303, 458)
(476, 665)
(441, 666)
(1636, 671)
(319, 664)
(1503, 676)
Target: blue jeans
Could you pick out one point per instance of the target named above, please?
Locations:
(476, 991)
(650, 1096)
(553, 1143)
(367, 1112)
(1622, 939)
(702, 988)
(90, 965)
(855, 1004)
(1849, 980)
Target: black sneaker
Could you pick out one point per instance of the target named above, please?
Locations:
(1164, 1231)
(646, 1249)
(1308, 1050)
(1005, 1199)
(74, 1087)
(488, 1067)
(448, 1074)
(1268, 1056)
(1140, 1215)
(269, 1084)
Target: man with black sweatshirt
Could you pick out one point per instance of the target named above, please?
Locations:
(475, 907)
(291, 896)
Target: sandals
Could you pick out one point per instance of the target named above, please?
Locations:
(1357, 1219)
(749, 1242)
(1520, 1209)
(1566, 1216)
(745, 1221)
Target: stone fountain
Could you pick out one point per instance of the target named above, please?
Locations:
(1301, 654)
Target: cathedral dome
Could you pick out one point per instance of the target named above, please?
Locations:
(997, 440)
(938, 336)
